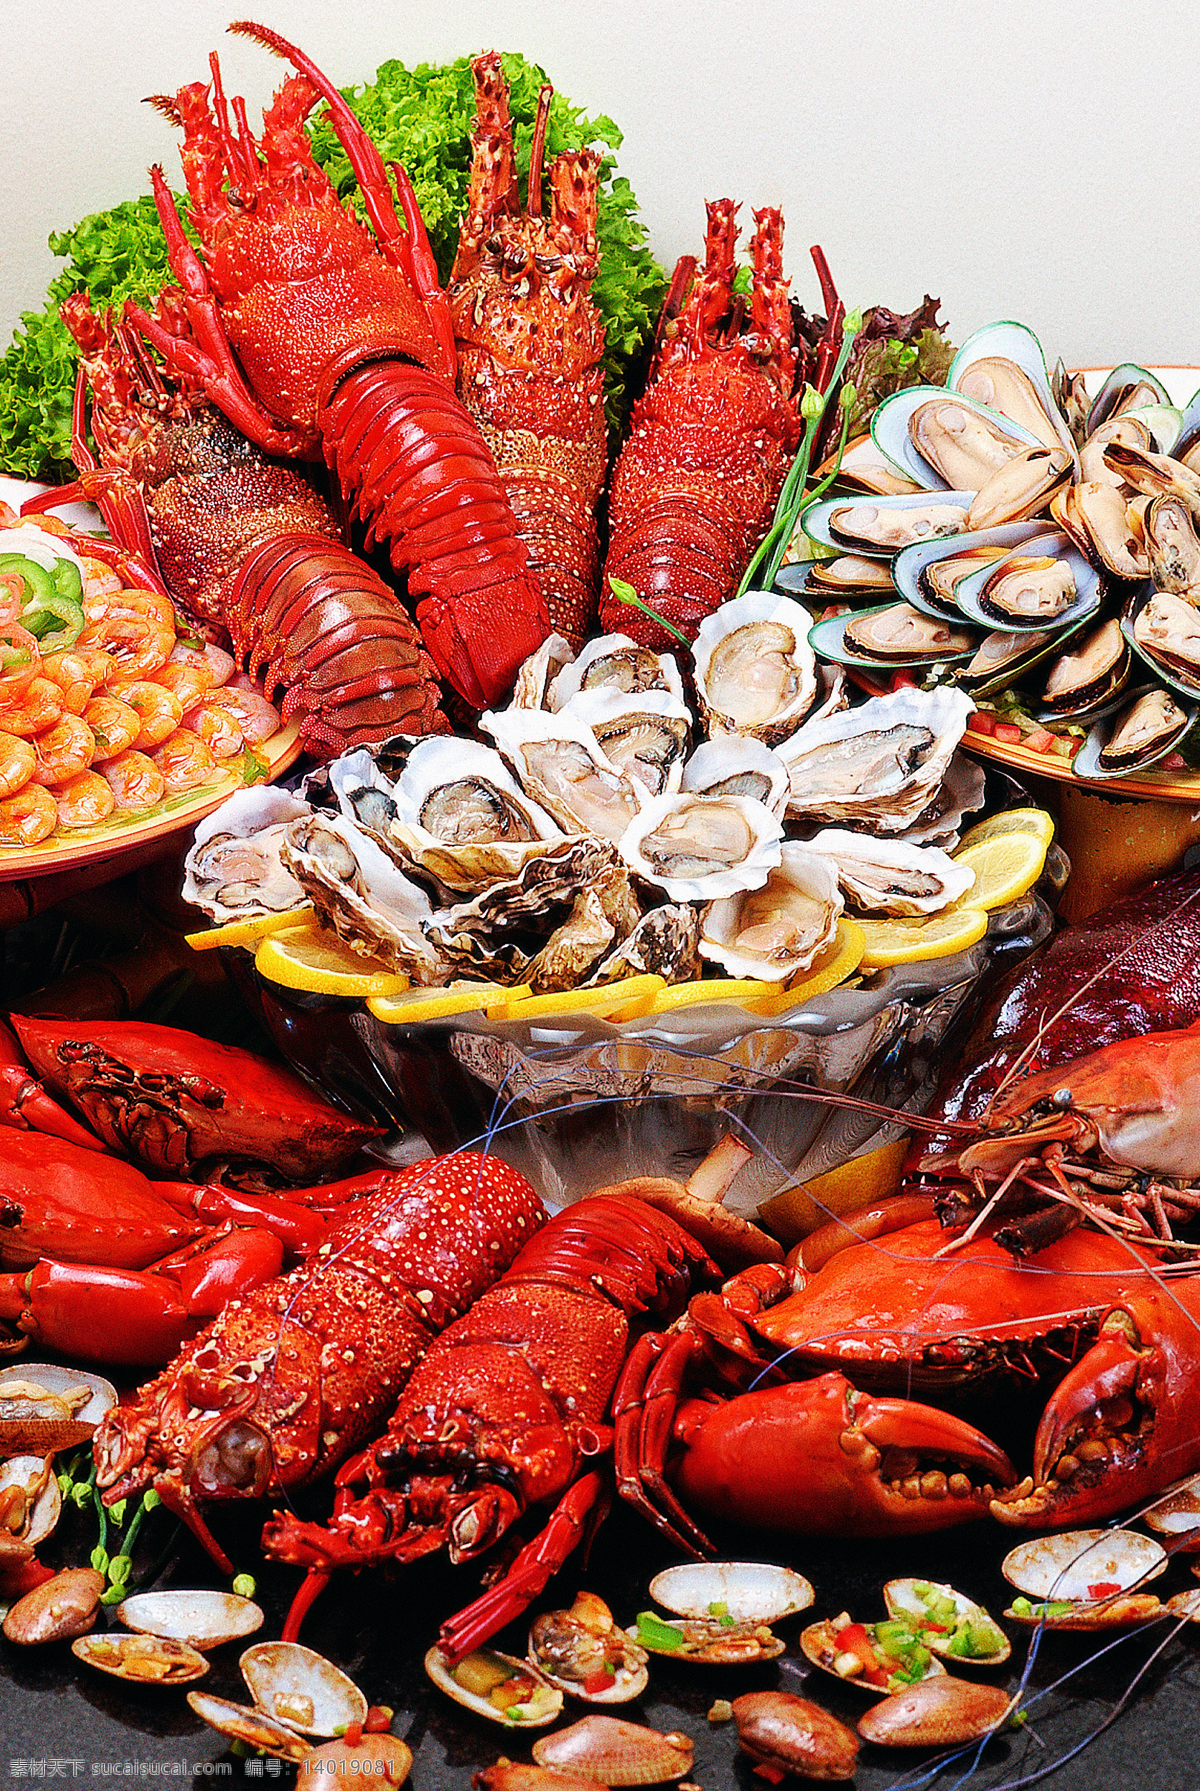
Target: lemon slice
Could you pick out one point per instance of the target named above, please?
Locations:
(616, 1001)
(840, 959)
(906, 940)
(249, 932)
(1005, 867)
(859, 1182)
(309, 958)
(1010, 820)
(415, 1006)
(714, 988)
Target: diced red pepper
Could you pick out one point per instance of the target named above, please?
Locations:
(354, 1734)
(903, 681)
(1008, 731)
(378, 1719)
(1105, 1589)
(774, 1775)
(1174, 761)
(855, 1640)
(939, 1629)
(599, 1682)
(1039, 739)
(980, 722)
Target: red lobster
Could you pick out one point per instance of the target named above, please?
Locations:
(530, 345)
(697, 481)
(344, 345)
(243, 542)
(291, 1378)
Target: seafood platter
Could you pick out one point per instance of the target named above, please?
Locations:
(599, 1178)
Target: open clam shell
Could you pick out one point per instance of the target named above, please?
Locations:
(147, 1660)
(928, 574)
(891, 636)
(31, 1498)
(536, 1702)
(202, 1619)
(747, 1591)
(254, 1727)
(68, 1384)
(989, 599)
(1147, 727)
(576, 1648)
(613, 1752)
(906, 419)
(969, 1624)
(877, 528)
(706, 1641)
(45, 1408)
(1178, 1513)
(301, 1689)
(1083, 1565)
(818, 1644)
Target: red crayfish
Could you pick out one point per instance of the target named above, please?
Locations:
(697, 481)
(242, 542)
(344, 345)
(530, 345)
(294, 1375)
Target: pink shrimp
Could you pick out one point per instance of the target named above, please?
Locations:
(17, 761)
(29, 817)
(255, 716)
(78, 675)
(115, 725)
(37, 707)
(63, 750)
(160, 712)
(217, 727)
(139, 643)
(136, 781)
(83, 800)
(185, 761)
(210, 658)
(186, 682)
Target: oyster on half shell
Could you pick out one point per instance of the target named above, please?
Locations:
(755, 671)
(355, 887)
(698, 848)
(879, 764)
(233, 870)
(738, 765)
(778, 930)
(559, 763)
(618, 662)
(890, 876)
(644, 733)
(462, 818)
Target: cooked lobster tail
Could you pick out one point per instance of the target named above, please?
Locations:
(421, 476)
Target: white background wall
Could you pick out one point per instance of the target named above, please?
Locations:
(1035, 159)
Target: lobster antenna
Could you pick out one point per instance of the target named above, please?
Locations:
(533, 188)
(1030, 1049)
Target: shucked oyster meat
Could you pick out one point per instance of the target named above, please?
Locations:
(880, 764)
(233, 870)
(559, 763)
(614, 662)
(774, 932)
(755, 671)
(700, 847)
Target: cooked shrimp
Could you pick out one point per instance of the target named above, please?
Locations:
(256, 718)
(187, 682)
(139, 643)
(185, 761)
(17, 761)
(98, 578)
(83, 800)
(159, 710)
(136, 782)
(63, 750)
(37, 707)
(213, 659)
(28, 818)
(217, 727)
(78, 675)
(115, 725)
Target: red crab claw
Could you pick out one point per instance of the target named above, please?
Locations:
(298, 1229)
(1120, 1427)
(25, 1103)
(820, 1458)
(77, 1205)
(134, 1318)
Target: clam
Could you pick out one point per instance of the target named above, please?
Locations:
(578, 1649)
(1178, 1513)
(941, 1713)
(778, 930)
(738, 765)
(645, 734)
(59, 1608)
(706, 1641)
(234, 869)
(559, 763)
(497, 1686)
(699, 848)
(30, 1499)
(1092, 672)
(832, 1644)
(358, 891)
(746, 1591)
(951, 1624)
(301, 1689)
(616, 1752)
(254, 1728)
(45, 1408)
(891, 876)
(616, 661)
(755, 671)
(1083, 1566)
(886, 525)
(790, 1734)
(150, 1660)
(202, 1619)
(903, 635)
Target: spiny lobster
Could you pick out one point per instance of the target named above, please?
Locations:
(242, 542)
(710, 442)
(530, 344)
(293, 1376)
(344, 346)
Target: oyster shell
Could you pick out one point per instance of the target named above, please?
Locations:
(738, 765)
(664, 942)
(462, 818)
(879, 764)
(1149, 729)
(499, 932)
(618, 661)
(755, 671)
(355, 887)
(531, 689)
(903, 634)
(699, 848)
(1028, 588)
(233, 870)
(559, 763)
(890, 876)
(776, 931)
(1090, 673)
(644, 733)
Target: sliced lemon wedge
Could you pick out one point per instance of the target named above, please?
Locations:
(1005, 867)
(1010, 820)
(905, 940)
(249, 932)
(626, 1000)
(307, 957)
(840, 959)
(845, 1189)
(415, 1006)
(714, 988)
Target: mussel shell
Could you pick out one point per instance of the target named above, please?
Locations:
(890, 431)
(818, 1644)
(203, 1619)
(846, 576)
(1094, 672)
(1054, 545)
(991, 351)
(909, 569)
(1003, 657)
(750, 1591)
(284, 1677)
(1178, 672)
(863, 468)
(1066, 1565)
(1101, 754)
(1127, 387)
(915, 517)
(877, 637)
(1096, 517)
(902, 1600)
(443, 1677)
(98, 1651)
